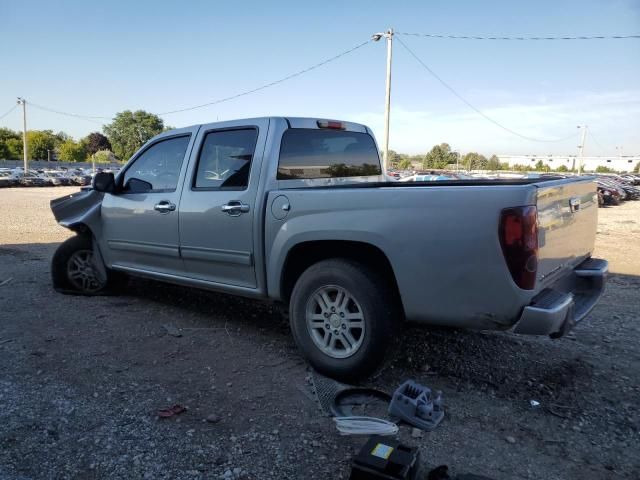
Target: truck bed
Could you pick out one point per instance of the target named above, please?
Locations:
(441, 238)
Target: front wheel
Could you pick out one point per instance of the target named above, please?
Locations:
(73, 268)
(342, 316)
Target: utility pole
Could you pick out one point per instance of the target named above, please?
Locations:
(23, 102)
(584, 138)
(388, 35)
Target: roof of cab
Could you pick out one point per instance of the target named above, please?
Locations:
(293, 122)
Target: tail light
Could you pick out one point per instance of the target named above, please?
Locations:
(519, 241)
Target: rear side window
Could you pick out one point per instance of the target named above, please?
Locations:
(225, 159)
(308, 153)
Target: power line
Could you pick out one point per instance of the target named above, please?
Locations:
(267, 85)
(8, 112)
(596, 141)
(519, 38)
(478, 111)
(90, 118)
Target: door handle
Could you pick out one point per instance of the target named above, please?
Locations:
(235, 208)
(164, 207)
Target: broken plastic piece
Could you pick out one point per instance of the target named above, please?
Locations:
(415, 404)
(171, 411)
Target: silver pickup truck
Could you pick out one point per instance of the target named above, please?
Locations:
(298, 211)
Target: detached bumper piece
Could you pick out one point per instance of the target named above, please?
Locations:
(556, 310)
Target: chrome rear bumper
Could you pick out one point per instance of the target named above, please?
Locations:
(556, 310)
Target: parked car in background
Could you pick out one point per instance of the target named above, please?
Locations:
(610, 196)
(7, 179)
(53, 178)
(33, 179)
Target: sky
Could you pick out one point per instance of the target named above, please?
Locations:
(98, 59)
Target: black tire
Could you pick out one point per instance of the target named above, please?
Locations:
(60, 265)
(373, 297)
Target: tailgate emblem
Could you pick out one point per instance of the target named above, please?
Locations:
(574, 204)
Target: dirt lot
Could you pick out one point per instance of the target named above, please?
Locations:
(81, 379)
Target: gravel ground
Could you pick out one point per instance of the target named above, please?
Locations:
(82, 379)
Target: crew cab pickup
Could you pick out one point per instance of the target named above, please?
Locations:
(299, 211)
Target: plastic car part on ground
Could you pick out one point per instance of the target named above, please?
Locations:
(414, 403)
(171, 411)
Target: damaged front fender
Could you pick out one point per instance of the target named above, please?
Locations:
(79, 211)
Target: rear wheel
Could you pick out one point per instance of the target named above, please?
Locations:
(342, 316)
(73, 269)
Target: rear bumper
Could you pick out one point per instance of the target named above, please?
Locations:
(556, 310)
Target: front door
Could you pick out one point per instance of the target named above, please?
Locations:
(217, 210)
(140, 221)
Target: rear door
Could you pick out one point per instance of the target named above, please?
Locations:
(217, 209)
(140, 221)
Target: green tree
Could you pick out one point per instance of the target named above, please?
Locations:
(404, 164)
(8, 143)
(475, 161)
(103, 156)
(62, 137)
(394, 158)
(494, 163)
(95, 142)
(130, 130)
(519, 168)
(541, 167)
(439, 157)
(603, 169)
(39, 142)
(70, 151)
(15, 147)
(562, 168)
(637, 169)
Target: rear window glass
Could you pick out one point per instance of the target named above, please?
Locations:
(307, 153)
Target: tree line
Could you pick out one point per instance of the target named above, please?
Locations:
(118, 141)
(129, 130)
(441, 157)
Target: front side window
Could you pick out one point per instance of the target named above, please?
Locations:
(310, 153)
(157, 168)
(225, 159)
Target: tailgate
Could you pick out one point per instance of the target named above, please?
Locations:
(567, 223)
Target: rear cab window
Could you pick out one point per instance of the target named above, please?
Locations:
(225, 159)
(326, 153)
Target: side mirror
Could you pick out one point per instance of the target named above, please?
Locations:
(135, 185)
(104, 182)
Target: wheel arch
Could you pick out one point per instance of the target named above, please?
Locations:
(302, 255)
